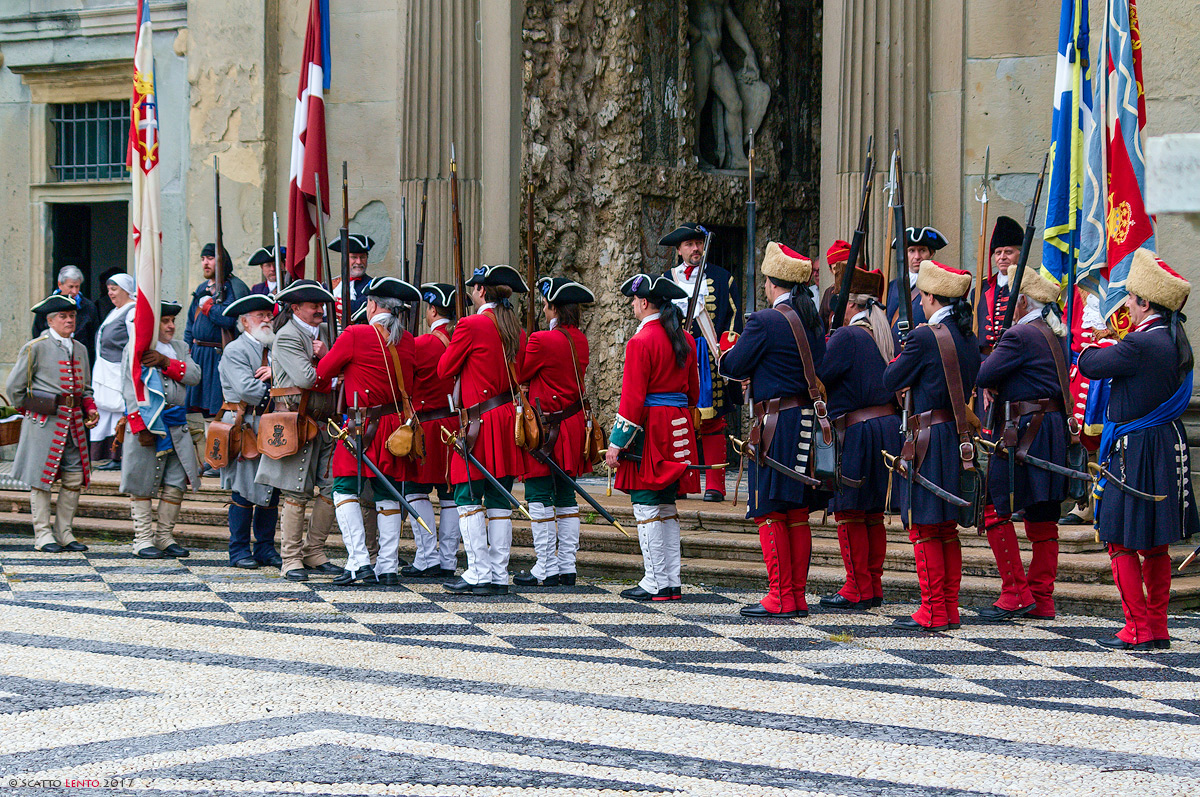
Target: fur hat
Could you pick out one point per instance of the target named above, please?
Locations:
(1156, 282)
(867, 283)
(943, 280)
(1007, 232)
(1037, 287)
(785, 264)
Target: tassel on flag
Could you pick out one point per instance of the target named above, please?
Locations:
(142, 159)
(308, 141)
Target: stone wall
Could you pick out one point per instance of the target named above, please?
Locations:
(607, 184)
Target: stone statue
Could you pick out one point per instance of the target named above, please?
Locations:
(743, 99)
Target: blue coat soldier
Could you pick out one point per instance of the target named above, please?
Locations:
(206, 321)
(785, 419)
(867, 420)
(1022, 373)
(922, 243)
(1144, 445)
(933, 523)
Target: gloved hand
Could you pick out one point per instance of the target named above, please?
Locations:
(146, 438)
(206, 304)
(155, 359)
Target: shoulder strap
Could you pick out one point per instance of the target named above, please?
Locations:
(954, 382)
(816, 390)
(395, 357)
(512, 371)
(440, 335)
(574, 362)
(1060, 361)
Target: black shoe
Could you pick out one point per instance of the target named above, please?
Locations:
(713, 497)
(389, 580)
(639, 594)
(490, 589)
(566, 579)
(444, 572)
(75, 546)
(149, 552)
(296, 575)
(909, 624)
(274, 561)
(525, 579)
(176, 551)
(51, 547)
(676, 593)
(408, 571)
(247, 563)
(759, 611)
(1071, 519)
(1116, 643)
(364, 575)
(325, 569)
(460, 586)
(876, 603)
(840, 602)
(1161, 644)
(994, 614)
(110, 465)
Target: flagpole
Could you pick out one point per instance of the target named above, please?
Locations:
(1106, 266)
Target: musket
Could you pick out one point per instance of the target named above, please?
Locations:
(280, 273)
(749, 302)
(904, 297)
(856, 243)
(746, 449)
(901, 466)
(1009, 312)
(404, 238)
(343, 436)
(981, 259)
(890, 187)
(638, 458)
(344, 234)
(531, 266)
(459, 444)
(419, 259)
(694, 299)
(460, 279)
(548, 461)
(323, 258)
(222, 267)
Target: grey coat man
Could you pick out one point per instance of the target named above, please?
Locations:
(53, 446)
(239, 362)
(293, 367)
(146, 471)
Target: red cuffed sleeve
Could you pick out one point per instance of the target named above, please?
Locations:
(134, 421)
(175, 370)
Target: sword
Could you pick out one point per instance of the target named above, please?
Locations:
(549, 462)
(1190, 558)
(1100, 470)
(459, 444)
(1028, 459)
(638, 458)
(747, 449)
(358, 438)
(341, 434)
(950, 498)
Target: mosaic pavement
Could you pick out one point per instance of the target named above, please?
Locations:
(119, 675)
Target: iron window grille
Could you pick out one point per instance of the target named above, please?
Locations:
(90, 140)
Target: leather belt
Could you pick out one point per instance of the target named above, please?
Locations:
(766, 416)
(1019, 409)
(247, 410)
(207, 343)
(916, 450)
(855, 417)
(475, 412)
(380, 410)
(69, 400)
(555, 418)
(435, 415)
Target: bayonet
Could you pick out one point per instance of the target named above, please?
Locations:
(856, 242)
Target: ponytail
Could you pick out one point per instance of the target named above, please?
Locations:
(280, 321)
(1184, 359)
(961, 313)
(506, 318)
(802, 302)
(672, 321)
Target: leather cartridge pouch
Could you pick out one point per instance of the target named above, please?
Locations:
(40, 402)
(282, 434)
(528, 432)
(222, 441)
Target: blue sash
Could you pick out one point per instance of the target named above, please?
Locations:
(666, 400)
(706, 386)
(1169, 411)
(159, 415)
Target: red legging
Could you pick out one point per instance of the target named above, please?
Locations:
(786, 541)
(1144, 580)
(939, 571)
(854, 541)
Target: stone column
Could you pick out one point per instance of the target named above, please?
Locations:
(876, 78)
(501, 87)
(440, 104)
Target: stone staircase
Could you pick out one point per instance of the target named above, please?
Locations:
(720, 547)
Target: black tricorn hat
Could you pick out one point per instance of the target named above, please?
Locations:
(210, 250)
(54, 303)
(923, 236)
(359, 244)
(169, 308)
(1007, 232)
(393, 288)
(560, 290)
(499, 274)
(249, 304)
(688, 231)
(267, 255)
(438, 294)
(360, 315)
(304, 291)
(660, 288)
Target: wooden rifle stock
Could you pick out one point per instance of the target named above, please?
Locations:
(419, 259)
(531, 266)
(856, 243)
(901, 249)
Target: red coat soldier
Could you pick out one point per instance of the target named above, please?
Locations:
(556, 361)
(1008, 236)
(654, 422)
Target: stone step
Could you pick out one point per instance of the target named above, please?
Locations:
(697, 543)
(1072, 597)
